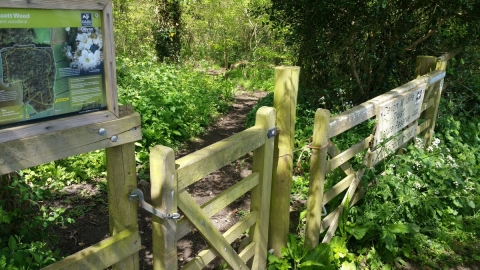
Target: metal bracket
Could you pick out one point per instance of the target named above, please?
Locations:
(272, 132)
(138, 194)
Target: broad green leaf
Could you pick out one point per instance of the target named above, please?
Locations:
(348, 266)
(12, 243)
(358, 231)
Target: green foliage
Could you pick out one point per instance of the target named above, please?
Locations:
(24, 224)
(339, 46)
(334, 255)
(175, 103)
(251, 77)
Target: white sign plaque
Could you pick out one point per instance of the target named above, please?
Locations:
(393, 144)
(395, 114)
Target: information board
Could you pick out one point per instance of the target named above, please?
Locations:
(51, 63)
(395, 114)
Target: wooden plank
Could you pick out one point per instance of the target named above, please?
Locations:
(395, 143)
(195, 166)
(346, 155)
(35, 129)
(351, 190)
(358, 114)
(206, 228)
(36, 150)
(333, 151)
(248, 252)
(338, 188)
(102, 254)
(56, 4)
(285, 103)
(329, 218)
(428, 104)
(422, 127)
(163, 193)
(109, 59)
(230, 195)
(209, 254)
(221, 201)
(261, 194)
(397, 113)
(318, 171)
(121, 180)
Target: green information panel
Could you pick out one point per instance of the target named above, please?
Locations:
(51, 63)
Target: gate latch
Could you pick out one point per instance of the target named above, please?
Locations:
(138, 194)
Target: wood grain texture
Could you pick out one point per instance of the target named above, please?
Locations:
(30, 130)
(318, 171)
(261, 194)
(102, 254)
(208, 255)
(206, 228)
(163, 189)
(109, 59)
(55, 4)
(285, 102)
(62, 143)
(358, 114)
(121, 180)
(346, 155)
(195, 166)
(221, 201)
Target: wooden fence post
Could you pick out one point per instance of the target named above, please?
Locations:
(121, 180)
(424, 65)
(260, 202)
(285, 103)
(318, 162)
(163, 182)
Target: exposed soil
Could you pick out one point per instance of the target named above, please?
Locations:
(90, 204)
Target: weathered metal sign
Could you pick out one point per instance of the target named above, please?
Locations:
(393, 144)
(395, 114)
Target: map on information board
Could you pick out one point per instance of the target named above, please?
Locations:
(51, 63)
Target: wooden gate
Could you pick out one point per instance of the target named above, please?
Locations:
(169, 182)
(399, 133)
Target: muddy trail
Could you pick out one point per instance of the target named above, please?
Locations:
(90, 203)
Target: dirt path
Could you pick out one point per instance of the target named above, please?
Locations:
(92, 225)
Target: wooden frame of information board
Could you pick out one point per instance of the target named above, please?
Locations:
(104, 7)
(116, 129)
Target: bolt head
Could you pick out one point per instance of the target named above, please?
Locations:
(102, 132)
(114, 138)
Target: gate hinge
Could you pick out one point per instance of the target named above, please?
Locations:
(272, 132)
(138, 194)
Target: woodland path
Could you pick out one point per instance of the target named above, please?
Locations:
(92, 224)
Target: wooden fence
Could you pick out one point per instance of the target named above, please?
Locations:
(385, 139)
(169, 182)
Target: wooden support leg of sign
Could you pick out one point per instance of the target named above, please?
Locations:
(121, 180)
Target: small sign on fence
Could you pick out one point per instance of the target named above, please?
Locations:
(395, 114)
(393, 144)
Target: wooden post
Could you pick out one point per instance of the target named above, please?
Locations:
(121, 180)
(285, 102)
(318, 162)
(163, 182)
(260, 203)
(424, 65)
(432, 112)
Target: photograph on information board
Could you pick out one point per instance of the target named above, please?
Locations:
(51, 64)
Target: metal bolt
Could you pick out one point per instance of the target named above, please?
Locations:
(101, 132)
(133, 129)
(202, 222)
(114, 138)
(225, 249)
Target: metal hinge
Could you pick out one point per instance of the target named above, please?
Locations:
(272, 132)
(138, 194)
